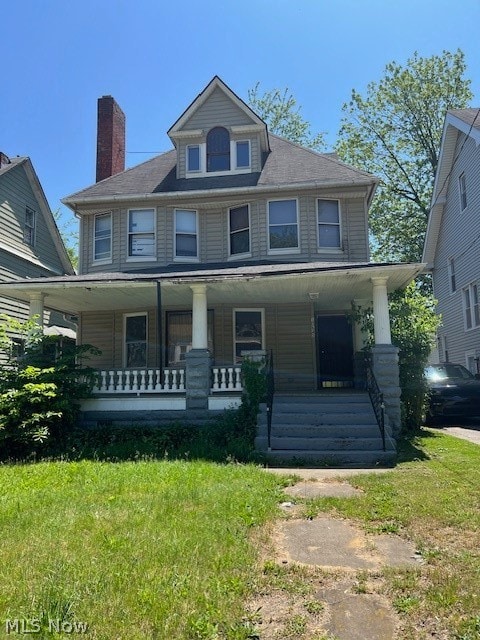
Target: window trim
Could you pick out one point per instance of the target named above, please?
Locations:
(320, 248)
(124, 339)
(234, 154)
(32, 227)
(197, 236)
(107, 260)
(247, 254)
(471, 314)
(452, 282)
(153, 257)
(283, 250)
(462, 185)
(234, 169)
(262, 316)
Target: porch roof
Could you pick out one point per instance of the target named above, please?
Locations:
(333, 285)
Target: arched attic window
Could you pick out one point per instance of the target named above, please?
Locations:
(218, 149)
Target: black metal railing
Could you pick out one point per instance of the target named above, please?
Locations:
(376, 398)
(270, 392)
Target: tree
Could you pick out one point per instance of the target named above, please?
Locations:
(394, 132)
(69, 233)
(278, 108)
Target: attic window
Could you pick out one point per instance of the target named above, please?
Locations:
(218, 149)
(29, 229)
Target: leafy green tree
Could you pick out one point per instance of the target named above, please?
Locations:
(40, 386)
(278, 108)
(69, 233)
(394, 132)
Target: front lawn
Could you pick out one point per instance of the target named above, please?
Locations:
(134, 550)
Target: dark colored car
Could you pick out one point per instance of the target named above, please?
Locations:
(454, 391)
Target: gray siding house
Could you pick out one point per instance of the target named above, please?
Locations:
(30, 243)
(452, 245)
(236, 242)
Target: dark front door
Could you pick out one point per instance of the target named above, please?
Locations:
(335, 352)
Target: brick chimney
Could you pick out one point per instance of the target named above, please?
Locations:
(110, 138)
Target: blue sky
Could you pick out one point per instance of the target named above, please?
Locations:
(155, 56)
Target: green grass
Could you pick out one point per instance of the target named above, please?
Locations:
(135, 550)
(432, 498)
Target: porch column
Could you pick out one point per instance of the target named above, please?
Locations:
(199, 317)
(381, 315)
(37, 307)
(385, 357)
(197, 361)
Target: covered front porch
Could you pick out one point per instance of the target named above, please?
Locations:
(229, 310)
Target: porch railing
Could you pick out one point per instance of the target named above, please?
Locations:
(139, 381)
(226, 379)
(376, 397)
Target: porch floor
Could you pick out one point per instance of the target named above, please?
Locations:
(329, 428)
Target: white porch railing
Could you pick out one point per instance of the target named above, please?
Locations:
(140, 381)
(227, 379)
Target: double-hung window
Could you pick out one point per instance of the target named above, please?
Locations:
(282, 226)
(218, 149)
(29, 228)
(102, 238)
(463, 191)
(471, 307)
(194, 163)
(451, 275)
(328, 217)
(248, 331)
(135, 340)
(186, 234)
(141, 234)
(242, 154)
(239, 224)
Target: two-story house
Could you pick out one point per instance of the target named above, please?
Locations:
(234, 242)
(452, 245)
(30, 243)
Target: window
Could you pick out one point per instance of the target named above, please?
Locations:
(451, 275)
(29, 229)
(242, 154)
(186, 242)
(239, 222)
(135, 332)
(471, 306)
(328, 212)
(218, 149)
(248, 328)
(282, 225)
(193, 157)
(102, 241)
(179, 335)
(463, 191)
(472, 362)
(141, 233)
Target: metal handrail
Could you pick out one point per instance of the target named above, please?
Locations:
(376, 398)
(270, 392)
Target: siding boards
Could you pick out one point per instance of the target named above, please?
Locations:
(217, 109)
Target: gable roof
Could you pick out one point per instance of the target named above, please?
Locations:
(288, 165)
(39, 194)
(466, 121)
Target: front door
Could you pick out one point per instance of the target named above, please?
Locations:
(335, 352)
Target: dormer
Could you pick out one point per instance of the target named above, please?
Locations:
(218, 135)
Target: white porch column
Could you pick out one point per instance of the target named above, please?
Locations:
(381, 315)
(199, 317)
(37, 307)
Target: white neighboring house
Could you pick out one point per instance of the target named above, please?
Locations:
(452, 244)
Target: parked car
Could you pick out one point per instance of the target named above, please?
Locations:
(454, 391)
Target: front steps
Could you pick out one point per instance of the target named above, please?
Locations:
(328, 428)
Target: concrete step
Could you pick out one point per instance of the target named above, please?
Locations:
(325, 430)
(355, 458)
(323, 399)
(326, 444)
(322, 418)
